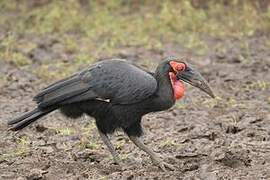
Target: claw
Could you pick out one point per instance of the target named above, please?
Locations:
(162, 165)
(155, 158)
(169, 166)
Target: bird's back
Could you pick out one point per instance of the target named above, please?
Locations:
(115, 80)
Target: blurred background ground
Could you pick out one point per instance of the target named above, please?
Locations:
(223, 138)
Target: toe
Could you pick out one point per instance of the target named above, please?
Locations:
(163, 165)
(169, 166)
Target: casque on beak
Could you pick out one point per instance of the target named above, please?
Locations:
(194, 78)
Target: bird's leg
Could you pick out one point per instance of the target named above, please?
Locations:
(154, 157)
(108, 143)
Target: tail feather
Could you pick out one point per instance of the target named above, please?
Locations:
(22, 117)
(27, 118)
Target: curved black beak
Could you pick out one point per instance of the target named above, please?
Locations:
(194, 78)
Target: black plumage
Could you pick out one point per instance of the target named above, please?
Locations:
(116, 93)
(116, 80)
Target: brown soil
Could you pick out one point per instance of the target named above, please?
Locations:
(225, 138)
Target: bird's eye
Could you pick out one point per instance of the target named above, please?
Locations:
(180, 67)
(177, 66)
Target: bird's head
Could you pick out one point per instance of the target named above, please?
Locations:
(179, 71)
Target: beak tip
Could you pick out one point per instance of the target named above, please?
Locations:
(194, 78)
(211, 94)
(206, 88)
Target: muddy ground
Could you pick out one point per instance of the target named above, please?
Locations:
(223, 138)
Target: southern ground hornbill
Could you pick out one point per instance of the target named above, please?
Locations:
(117, 94)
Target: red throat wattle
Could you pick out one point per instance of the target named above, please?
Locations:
(178, 86)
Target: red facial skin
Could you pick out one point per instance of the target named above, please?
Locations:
(178, 86)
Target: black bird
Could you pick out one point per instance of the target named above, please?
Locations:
(117, 94)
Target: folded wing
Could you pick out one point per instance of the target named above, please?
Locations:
(114, 80)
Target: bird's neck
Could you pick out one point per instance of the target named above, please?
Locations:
(162, 99)
(164, 86)
(164, 96)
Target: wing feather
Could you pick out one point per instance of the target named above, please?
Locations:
(115, 80)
